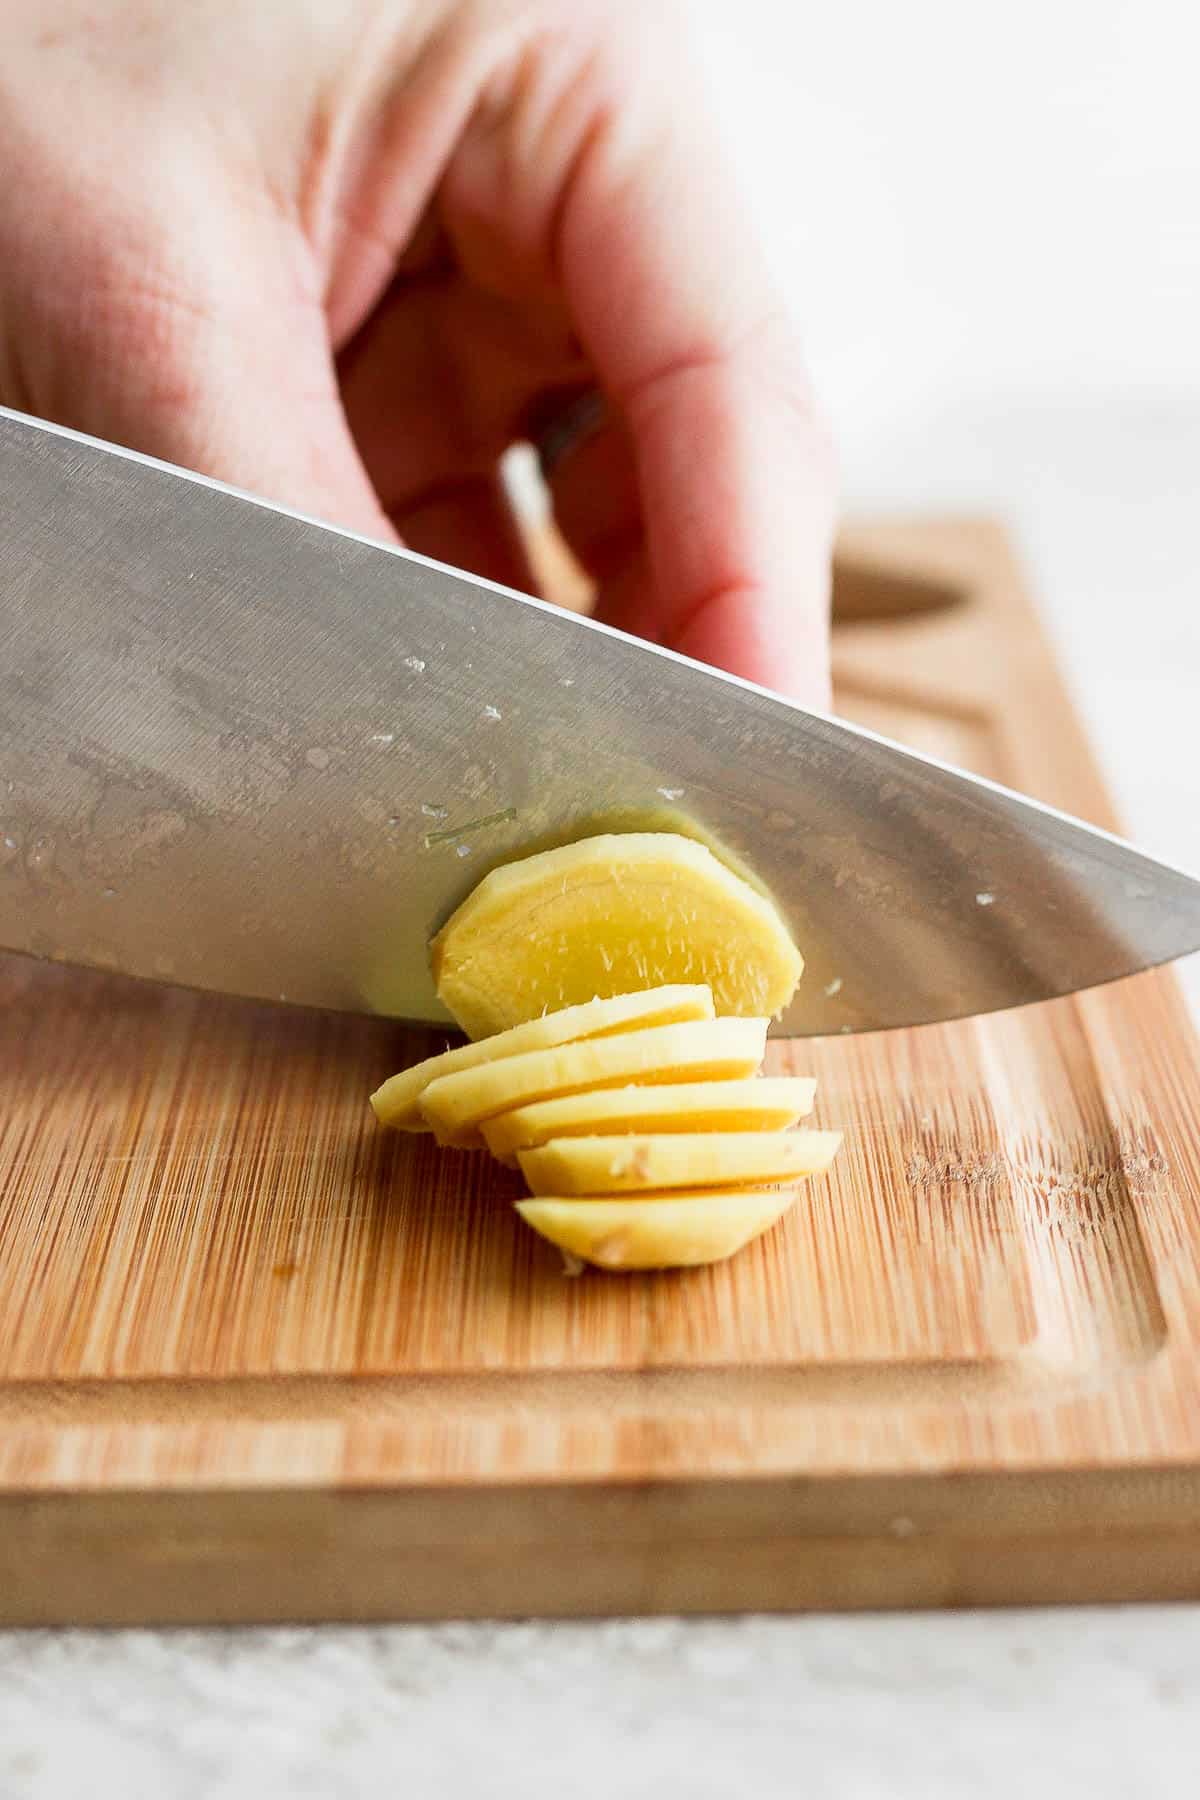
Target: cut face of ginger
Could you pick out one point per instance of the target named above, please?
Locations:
(607, 916)
(621, 1165)
(397, 1102)
(705, 1050)
(659, 1232)
(766, 1103)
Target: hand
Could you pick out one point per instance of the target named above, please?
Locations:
(344, 252)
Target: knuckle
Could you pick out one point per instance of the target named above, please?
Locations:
(147, 321)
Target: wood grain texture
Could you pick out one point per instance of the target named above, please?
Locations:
(260, 1360)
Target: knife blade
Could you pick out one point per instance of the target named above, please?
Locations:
(242, 750)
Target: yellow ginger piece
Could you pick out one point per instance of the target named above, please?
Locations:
(620, 1165)
(706, 1050)
(656, 1232)
(397, 1102)
(606, 916)
(764, 1103)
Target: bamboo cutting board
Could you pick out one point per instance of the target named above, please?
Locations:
(260, 1361)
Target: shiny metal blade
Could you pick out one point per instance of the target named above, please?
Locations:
(244, 751)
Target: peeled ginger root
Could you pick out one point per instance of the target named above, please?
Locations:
(611, 915)
(664, 1232)
(619, 1165)
(706, 1050)
(398, 1102)
(618, 992)
(647, 1147)
(762, 1103)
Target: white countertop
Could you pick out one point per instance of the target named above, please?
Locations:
(989, 219)
(1074, 1705)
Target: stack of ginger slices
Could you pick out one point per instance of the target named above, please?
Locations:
(640, 1121)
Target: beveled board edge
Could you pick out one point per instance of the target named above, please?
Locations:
(577, 1549)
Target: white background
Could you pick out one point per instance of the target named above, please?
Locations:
(988, 217)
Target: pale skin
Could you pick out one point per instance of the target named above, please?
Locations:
(344, 252)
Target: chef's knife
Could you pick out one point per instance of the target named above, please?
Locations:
(242, 750)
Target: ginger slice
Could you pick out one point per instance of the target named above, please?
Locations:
(763, 1103)
(659, 1232)
(639, 1164)
(397, 1102)
(706, 1050)
(606, 916)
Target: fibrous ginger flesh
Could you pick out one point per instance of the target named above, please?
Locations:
(397, 1102)
(609, 915)
(706, 1050)
(766, 1103)
(656, 1232)
(641, 1164)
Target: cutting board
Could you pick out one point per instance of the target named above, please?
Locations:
(260, 1360)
